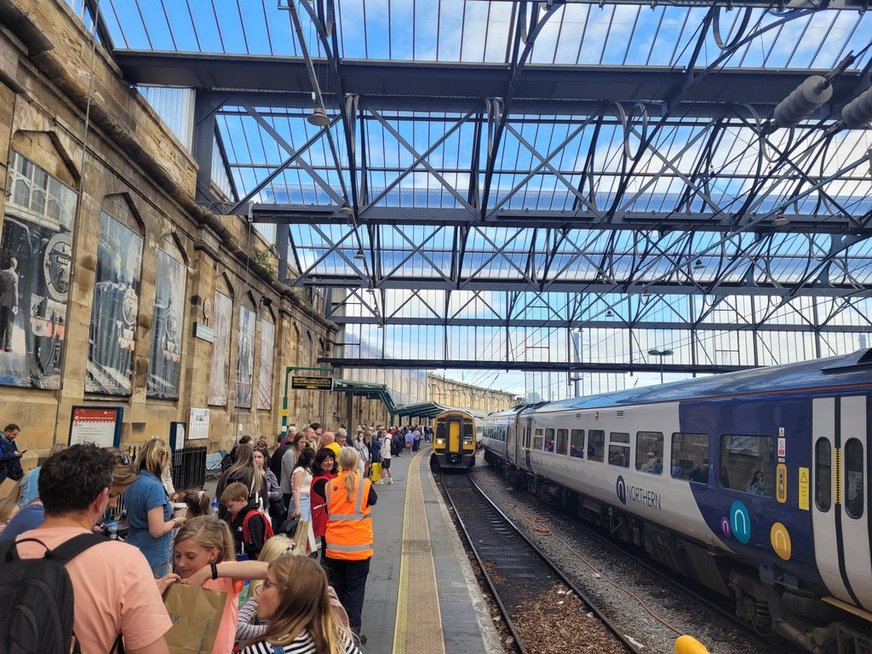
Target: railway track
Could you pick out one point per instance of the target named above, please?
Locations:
(542, 608)
(668, 600)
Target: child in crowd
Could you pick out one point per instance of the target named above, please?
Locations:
(204, 555)
(248, 626)
(198, 501)
(250, 528)
(295, 601)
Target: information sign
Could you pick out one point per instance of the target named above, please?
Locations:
(304, 383)
(93, 424)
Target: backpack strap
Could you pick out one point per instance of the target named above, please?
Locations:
(66, 552)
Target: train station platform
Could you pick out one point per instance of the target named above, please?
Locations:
(421, 596)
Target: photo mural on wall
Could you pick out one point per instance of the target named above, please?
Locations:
(165, 358)
(245, 362)
(115, 308)
(35, 263)
(220, 368)
(265, 374)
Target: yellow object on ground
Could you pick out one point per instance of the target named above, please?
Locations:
(375, 472)
(689, 645)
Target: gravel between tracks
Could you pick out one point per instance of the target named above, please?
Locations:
(543, 524)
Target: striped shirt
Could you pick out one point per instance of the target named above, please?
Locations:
(302, 644)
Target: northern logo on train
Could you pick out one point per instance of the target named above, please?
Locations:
(629, 493)
(621, 489)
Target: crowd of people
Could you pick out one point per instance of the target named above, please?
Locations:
(296, 523)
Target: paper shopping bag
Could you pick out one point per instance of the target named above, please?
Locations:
(10, 488)
(196, 615)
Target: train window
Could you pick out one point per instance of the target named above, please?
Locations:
(538, 440)
(549, 440)
(440, 430)
(649, 452)
(596, 444)
(854, 478)
(823, 474)
(690, 457)
(746, 463)
(562, 441)
(576, 443)
(619, 449)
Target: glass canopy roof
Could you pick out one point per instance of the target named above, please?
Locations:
(615, 165)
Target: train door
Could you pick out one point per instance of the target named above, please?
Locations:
(454, 425)
(840, 516)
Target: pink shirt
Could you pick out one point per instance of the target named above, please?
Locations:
(227, 630)
(114, 591)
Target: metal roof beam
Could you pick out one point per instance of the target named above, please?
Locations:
(553, 90)
(622, 220)
(597, 324)
(524, 366)
(582, 286)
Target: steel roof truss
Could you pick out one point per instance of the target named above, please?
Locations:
(545, 162)
(499, 251)
(280, 140)
(418, 249)
(417, 160)
(423, 160)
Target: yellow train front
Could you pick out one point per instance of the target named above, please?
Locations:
(453, 440)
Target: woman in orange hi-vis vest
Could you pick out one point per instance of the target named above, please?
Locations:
(349, 535)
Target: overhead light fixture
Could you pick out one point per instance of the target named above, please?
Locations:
(646, 293)
(346, 210)
(371, 291)
(359, 254)
(610, 314)
(318, 117)
(780, 219)
(698, 264)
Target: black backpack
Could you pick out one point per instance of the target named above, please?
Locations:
(38, 598)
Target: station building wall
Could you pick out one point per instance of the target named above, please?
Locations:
(117, 266)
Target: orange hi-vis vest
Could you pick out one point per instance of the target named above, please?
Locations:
(349, 524)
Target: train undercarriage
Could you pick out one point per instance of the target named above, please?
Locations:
(766, 601)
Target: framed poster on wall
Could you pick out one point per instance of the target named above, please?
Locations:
(198, 425)
(100, 425)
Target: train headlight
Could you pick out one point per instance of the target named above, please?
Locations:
(440, 441)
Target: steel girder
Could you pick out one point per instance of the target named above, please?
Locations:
(543, 90)
(524, 366)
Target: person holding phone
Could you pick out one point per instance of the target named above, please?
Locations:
(10, 457)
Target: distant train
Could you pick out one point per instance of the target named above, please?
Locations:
(457, 433)
(752, 483)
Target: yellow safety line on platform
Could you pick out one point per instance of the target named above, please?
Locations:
(418, 600)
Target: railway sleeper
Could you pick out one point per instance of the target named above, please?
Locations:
(769, 601)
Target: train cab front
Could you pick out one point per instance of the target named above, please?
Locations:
(453, 441)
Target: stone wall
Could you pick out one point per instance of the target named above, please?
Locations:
(124, 161)
(453, 393)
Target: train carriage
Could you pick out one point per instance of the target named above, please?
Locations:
(752, 483)
(454, 440)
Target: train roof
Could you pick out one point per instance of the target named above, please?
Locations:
(845, 370)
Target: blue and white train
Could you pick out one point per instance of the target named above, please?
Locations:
(752, 483)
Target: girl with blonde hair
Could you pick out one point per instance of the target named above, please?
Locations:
(205, 555)
(295, 600)
(149, 508)
(248, 626)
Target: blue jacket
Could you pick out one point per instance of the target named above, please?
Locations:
(10, 462)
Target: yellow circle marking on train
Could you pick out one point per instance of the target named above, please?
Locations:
(780, 539)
